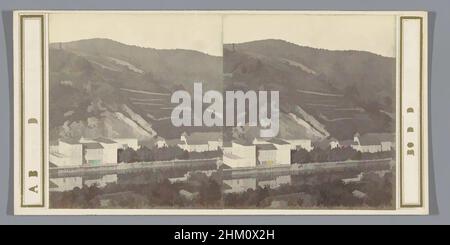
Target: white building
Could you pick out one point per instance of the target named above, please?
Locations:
(373, 142)
(110, 149)
(260, 152)
(267, 154)
(305, 144)
(227, 147)
(201, 142)
(93, 153)
(242, 155)
(283, 151)
(70, 153)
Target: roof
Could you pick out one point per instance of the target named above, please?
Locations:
(203, 137)
(92, 146)
(375, 138)
(242, 142)
(70, 141)
(105, 140)
(231, 156)
(278, 142)
(261, 139)
(173, 142)
(266, 147)
(347, 143)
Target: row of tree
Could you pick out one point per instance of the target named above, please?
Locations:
(335, 155)
(145, 154)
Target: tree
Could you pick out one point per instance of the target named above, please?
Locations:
(127, 155)
(300, 156)
(342, 154)
(210, 192)
(319, 155)
(144, 154)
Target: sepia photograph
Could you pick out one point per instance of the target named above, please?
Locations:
(232, 111)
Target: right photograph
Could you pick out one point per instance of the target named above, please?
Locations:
(335, 143)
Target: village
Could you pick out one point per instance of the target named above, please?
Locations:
(236, 156)
(236, 153)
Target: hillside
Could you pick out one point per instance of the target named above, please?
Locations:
(100, 87)
(96, 79)
(339, 92)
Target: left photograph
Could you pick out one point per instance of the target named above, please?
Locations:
(111, 140)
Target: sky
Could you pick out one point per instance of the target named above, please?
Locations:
(203, 32)
(161, 31)
(372, 33)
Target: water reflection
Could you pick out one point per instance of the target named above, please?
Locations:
(70, 183)
(244, 184)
